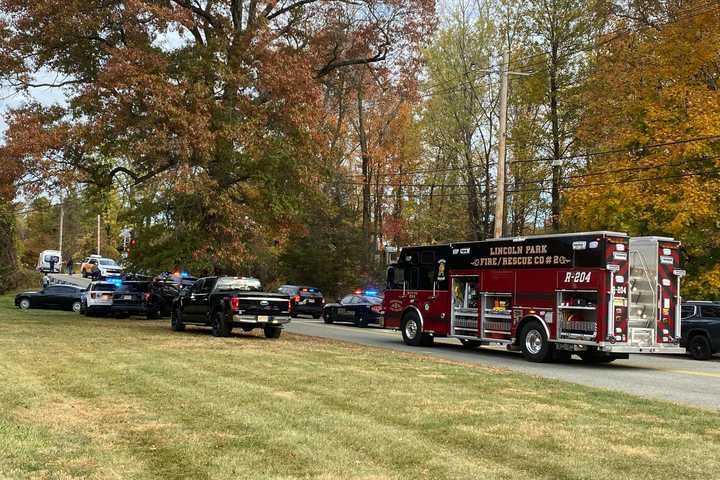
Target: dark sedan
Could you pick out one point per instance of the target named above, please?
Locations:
(65, 297)
(150, 299)
(304, 300)
(361, 309)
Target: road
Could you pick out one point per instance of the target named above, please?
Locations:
(675, 378)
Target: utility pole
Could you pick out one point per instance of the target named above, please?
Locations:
(98, 234)
(62, 215)
(500, 189)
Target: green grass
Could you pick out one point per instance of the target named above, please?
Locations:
(102, 398)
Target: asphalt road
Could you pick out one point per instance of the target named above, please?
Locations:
(675, 378)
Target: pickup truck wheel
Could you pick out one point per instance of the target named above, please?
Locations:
(272, 332)
(176, 323)
(220, 326)
(699, 347)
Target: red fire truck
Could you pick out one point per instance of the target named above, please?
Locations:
(600, 295)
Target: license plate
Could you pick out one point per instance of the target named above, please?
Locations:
(107, 297)
(127, 297)
(263, 318)
(311, 300)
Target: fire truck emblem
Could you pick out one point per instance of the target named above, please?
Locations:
(441, 270)
(475, 263)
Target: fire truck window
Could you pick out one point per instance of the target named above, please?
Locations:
(427, 258)
(427, 277)
(710, 311)
(413, 279)
(395, 278)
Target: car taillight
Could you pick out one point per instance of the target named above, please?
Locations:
(376, 308)
(289, 305)
(234, 303)
(296, 298)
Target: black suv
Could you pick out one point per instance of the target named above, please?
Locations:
(153, 299)
(304, 300)
(700, 328)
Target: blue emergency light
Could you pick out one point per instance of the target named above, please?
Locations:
(371, 292)
(115, 281)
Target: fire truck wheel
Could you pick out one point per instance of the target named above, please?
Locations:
(534, 343)
(699, 347)
(412, 330)
(469, 344)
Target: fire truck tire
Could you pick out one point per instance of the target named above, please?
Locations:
(220, 326)
(594, 356)
(412, 330)
(534, 343)
(470, 344)
(699, 347)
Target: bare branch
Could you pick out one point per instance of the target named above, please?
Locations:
(333, 65)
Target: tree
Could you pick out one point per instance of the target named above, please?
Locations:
(663, 73)
(211, 111)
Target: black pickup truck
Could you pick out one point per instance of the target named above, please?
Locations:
(226, 302)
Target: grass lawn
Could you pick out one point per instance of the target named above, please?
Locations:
(104, 398)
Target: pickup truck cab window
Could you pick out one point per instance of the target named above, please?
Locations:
(208, 285)
(710, 311)
(197, 286)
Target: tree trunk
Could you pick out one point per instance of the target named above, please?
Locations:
(365, 154)
(8, 254)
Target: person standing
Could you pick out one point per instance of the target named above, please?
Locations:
(52, 264)
(46, 280)
(70, 266)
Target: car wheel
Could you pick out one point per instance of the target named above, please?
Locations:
(699, 347)
(24, 303)
(220, 326)
(412, 331)
(272, 332)
(76, 307)
(176, 323)
(329, 315)
(470, 344)
(360, 321)
(534, 343)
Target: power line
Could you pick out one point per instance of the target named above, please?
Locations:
(563, 158)
(547, 189)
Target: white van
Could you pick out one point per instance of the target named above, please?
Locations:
(47, 256)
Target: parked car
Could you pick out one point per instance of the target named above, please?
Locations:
(700, 328)
(98, 298)
(227, 302)
(66, 297)
(361, 308)
(152, 299)
(304, 300)
(49, 261)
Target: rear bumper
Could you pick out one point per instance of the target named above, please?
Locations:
(671, 349)
(260, 321)
(131, 309)
(98, 308)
